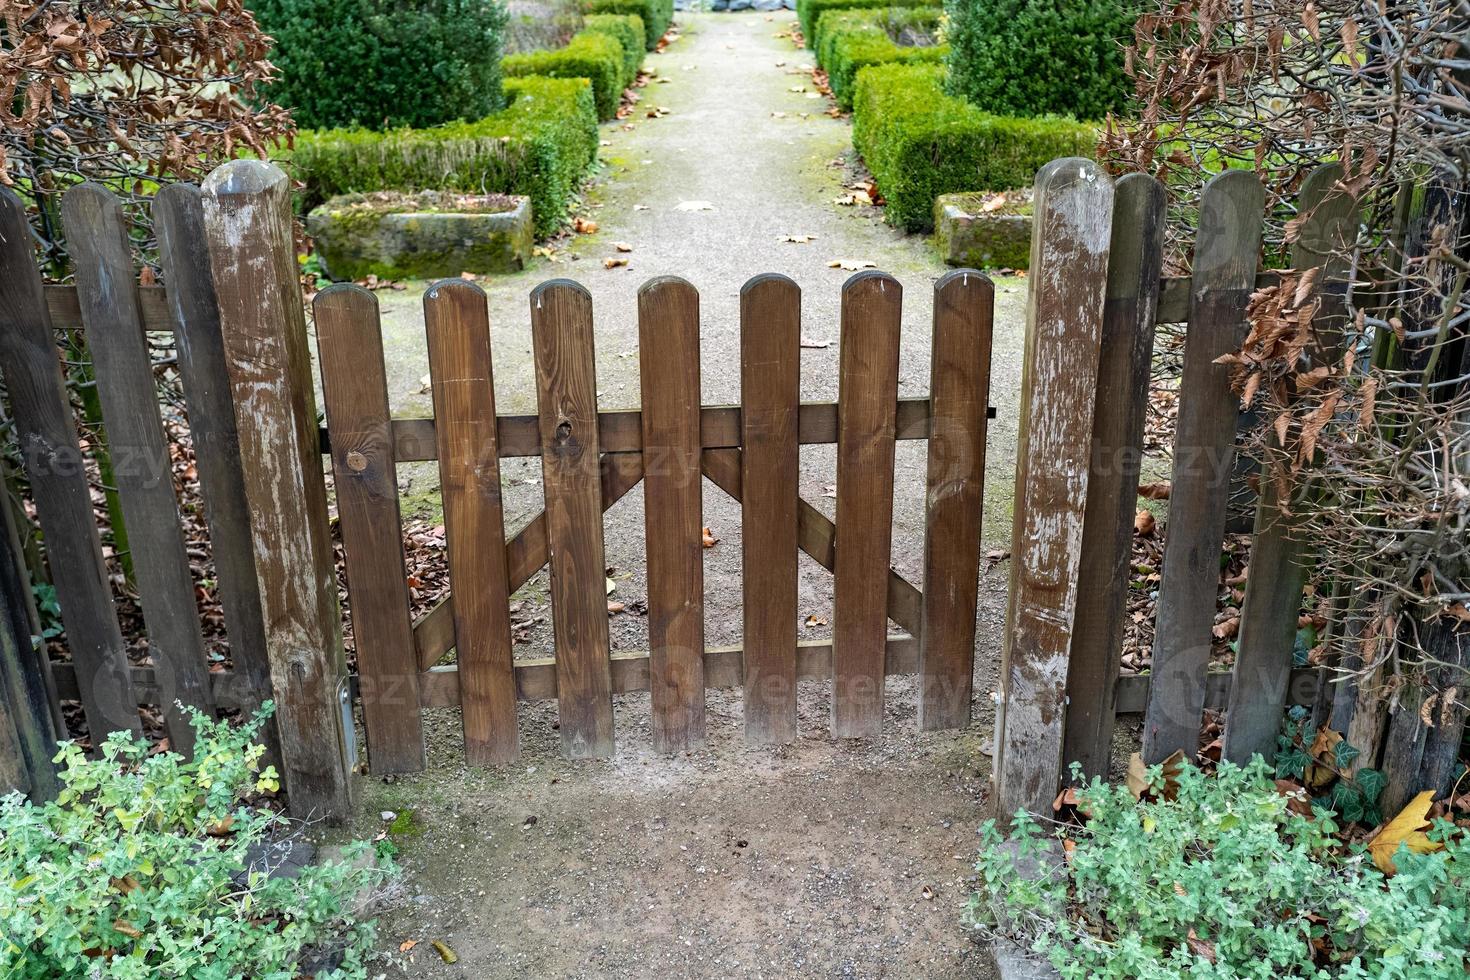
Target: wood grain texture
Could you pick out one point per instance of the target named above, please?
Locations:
(47, 438)
(1228, 238)
(770, 395)
(1279, 548)
(1120, 409)
(867, 390)
(97, 240)
(457, 322)
(28, 727)
(673, 509)
(621, 431)
(247, 221)
(959, 389)
(183, 252)
(1064, 313)
(355, 392)
(566, 394)
(525, 555)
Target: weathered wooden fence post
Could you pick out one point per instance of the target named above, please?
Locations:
(247, 219)
(27, 728)
(1135, 260)
(1064, 316)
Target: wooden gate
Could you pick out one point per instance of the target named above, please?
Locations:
(591, 458)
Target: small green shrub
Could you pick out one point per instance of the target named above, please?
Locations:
(1040, 57)
(657, 15)
(593, 56)
(540, 145)
(920, 143)
(627, 29)
(808, 12)
(140, 870)
(384, 63)
(1225, 880)
(850, 40)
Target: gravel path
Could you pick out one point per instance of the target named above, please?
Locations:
(820, 859)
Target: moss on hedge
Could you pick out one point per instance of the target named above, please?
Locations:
(628, 30)
(540, 145)
(808, 11)
(920, 143)
(590, 55)
(849, 40)
(657, 15)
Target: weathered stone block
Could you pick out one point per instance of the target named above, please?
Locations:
(429, 235)
(980, 230)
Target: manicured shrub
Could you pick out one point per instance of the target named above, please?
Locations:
(593, 56)
(628, 30)
(849, 40)
(540, 145)
(920, 143)
(808, 11)
(1039, 57)
(148, 865)
(384, 63)
(657, 14)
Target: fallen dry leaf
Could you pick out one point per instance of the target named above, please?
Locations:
(709, 540)
(796, 239)
(622, 246)
(814, 620)
(694, 206)
(584, 226)
(613, 262)
(407, 945)
(445, 953)
(1138, 775)
(1144, 523)
(851, 265)
(1406, 829)
(1155, 491)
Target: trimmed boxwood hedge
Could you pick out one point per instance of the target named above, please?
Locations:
(920, 143)
(628, 30)
(540, 145)
(657, 15)
(849, 40)
(808, 11)
(595, 56)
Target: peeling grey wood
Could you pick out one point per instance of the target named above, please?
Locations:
(1279, 549)
(1064, 316)
(28, 728)
(247, 220)
(97, 238)
(1121, 407)
(1226, 254)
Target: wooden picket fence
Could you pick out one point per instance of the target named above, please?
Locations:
(233, 304)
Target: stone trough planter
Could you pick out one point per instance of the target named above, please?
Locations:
(1009, 960)
(982, 230)
(429, 235)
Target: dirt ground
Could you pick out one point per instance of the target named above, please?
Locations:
(819, 859)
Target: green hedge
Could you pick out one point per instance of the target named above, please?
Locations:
(540, 145)
(627, 29)
(1034, 57)
(657, 15)
(384, 63)
(920, 143)
(848, 40)
(589, 55)
(808, 11)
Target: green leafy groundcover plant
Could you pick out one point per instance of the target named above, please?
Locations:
(628, 30)
(850, 40)
(1040, 57)
(384, 63)
(657, 15)
(808, 12)
(595, 56)
(920, 143)
(138, 871)
(1225, 881)
(540, 145)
